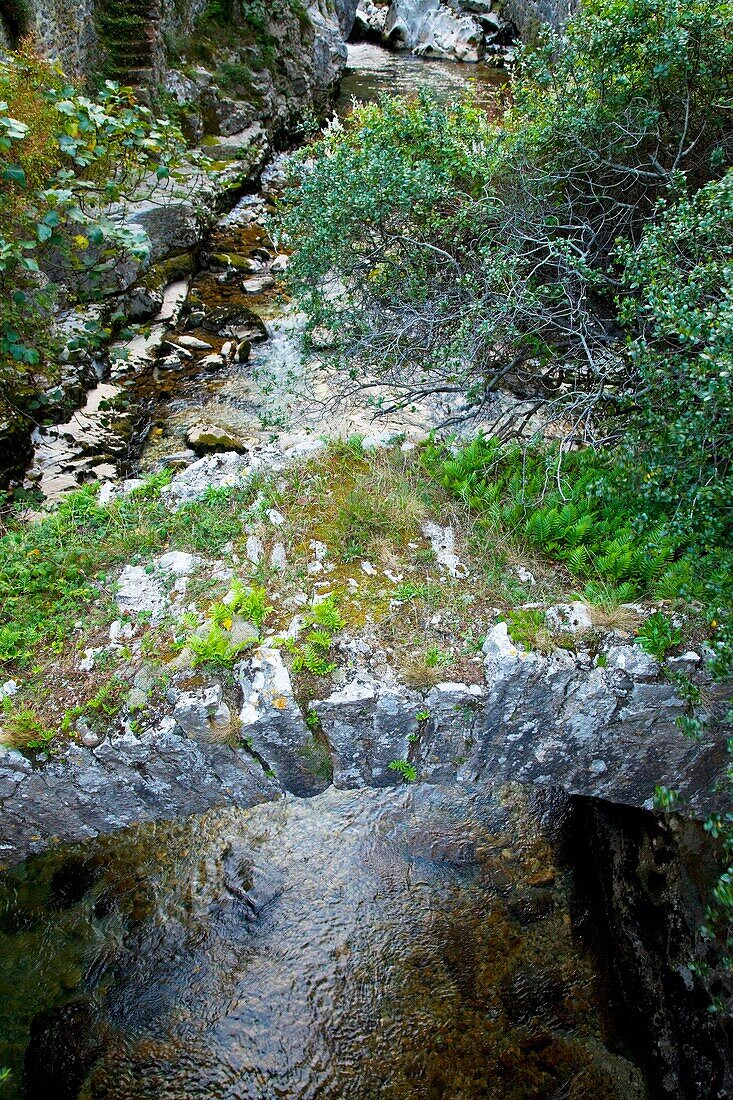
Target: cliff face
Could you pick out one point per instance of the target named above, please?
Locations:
(131, 42)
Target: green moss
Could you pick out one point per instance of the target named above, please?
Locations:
(169, 271)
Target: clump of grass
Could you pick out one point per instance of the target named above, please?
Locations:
(426, 668)
(528, 628)
(23, 729)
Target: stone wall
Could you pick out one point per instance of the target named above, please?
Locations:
(63, 29)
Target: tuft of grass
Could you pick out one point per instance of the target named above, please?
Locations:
(23, 729)
(528, 628)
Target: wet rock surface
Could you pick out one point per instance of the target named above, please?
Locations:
(602, 732)
(84, 792)
(641, 884)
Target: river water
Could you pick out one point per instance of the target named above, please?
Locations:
(408, 942)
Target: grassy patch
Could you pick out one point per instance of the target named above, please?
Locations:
(574, 509)
(340, 551)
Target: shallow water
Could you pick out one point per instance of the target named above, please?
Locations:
(410, 942)
(372, 71)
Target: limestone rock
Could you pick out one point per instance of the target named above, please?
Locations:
(83, 792)
(570, 618)
(203, 438)
(184, 90)
(428, 27)
(367, 725)
(202, 714)
(258, 284)
(214, 471)
(146, 588)
(174, 224)
(446, 734)
(273, 724)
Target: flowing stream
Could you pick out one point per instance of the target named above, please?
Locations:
(406, 942)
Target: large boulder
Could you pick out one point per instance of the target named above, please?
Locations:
(368, 725)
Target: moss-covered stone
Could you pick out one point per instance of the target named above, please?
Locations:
(168, 271)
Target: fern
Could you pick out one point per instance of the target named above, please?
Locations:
(251, 603)
(542, 527)
(316, 661)
(326, 615)
(577, 559)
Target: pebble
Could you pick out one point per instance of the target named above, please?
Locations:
(183, 352)
(10, 687)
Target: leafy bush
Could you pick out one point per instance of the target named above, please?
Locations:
(64, 158)
(658, 635)
(679, 305)
(471, 254)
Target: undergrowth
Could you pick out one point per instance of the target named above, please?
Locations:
(574, 508)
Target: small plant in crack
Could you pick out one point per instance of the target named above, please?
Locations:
(324, 620)
(405, 769)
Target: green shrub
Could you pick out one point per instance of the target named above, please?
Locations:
(658, 635)
(678, 308)
(64, 157)
(470, 252)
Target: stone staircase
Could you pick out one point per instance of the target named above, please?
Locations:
(131, 40)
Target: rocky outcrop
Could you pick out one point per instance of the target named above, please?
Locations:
(602, 727)
(642, 883)
(528, 16)
(461, 30)
(601, 730)
(161, 774)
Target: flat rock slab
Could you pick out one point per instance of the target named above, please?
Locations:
(82, 793)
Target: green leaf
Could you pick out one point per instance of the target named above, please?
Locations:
(14, 174)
